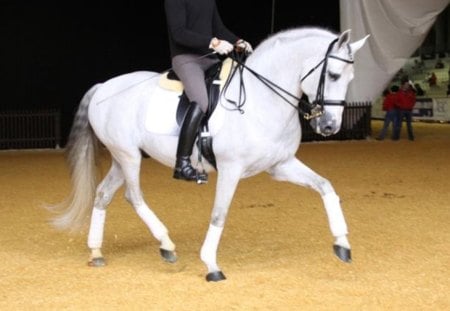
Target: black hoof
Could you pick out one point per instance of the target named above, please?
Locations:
(343, 253)
(169, 256)
(97, 262)
(215, 276)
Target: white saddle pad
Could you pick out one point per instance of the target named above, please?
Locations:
(161, 112)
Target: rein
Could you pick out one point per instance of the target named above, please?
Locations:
(315, 109)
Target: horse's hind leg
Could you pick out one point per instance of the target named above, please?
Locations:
(296, 172)
(104, 194)
(133, 194)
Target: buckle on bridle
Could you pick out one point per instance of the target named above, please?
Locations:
(316, 111)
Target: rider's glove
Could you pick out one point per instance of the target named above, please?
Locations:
(244, 45)
(222, 47)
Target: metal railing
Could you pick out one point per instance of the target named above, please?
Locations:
(355, 124)
(30, 129)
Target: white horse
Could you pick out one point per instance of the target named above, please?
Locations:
(132, 113)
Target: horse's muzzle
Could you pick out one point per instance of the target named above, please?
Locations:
(329, 122)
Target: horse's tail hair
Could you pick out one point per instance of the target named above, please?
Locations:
(81, 153)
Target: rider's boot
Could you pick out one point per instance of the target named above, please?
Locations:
(188, 133)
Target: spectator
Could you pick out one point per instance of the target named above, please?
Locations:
(405, 100)
(391, 115)
(432, 79)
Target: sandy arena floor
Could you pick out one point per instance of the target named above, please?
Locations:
(276, 250)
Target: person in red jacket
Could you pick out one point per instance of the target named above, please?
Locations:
(406, 99)
(389, 106)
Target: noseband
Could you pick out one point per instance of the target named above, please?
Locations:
(317, 106)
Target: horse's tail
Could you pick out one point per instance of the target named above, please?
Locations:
(81, 152)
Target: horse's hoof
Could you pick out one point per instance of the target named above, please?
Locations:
(97, 262)
(343, 253)
(215, 276)
(169, 256)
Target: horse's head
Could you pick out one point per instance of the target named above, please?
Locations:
(326, 88)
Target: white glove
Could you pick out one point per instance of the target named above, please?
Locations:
(222, 47)
(244, 45)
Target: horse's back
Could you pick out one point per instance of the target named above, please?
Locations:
(128, 81)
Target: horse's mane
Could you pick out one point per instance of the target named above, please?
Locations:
(295, 33)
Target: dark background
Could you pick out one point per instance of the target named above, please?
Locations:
(54, 51)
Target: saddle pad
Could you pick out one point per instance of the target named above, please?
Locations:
(170, 84)
(177, 86)
(227, 65)
(161, 112)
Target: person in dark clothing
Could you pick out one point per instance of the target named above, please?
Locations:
(196, 35)
(405, 99)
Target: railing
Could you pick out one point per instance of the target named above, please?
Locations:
(355, 124)
(41, 129)
(30, 129)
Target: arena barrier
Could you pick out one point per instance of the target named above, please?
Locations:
(30, 129)
(356, 124)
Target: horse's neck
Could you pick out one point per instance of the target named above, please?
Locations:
(282, 71)
(282, 60)
(262, 105)
(278, 69)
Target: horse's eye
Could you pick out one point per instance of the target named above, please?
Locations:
(333, 76)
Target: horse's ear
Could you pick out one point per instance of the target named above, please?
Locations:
(344, 38)
(355, 46)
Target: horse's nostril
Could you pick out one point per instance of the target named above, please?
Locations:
(327, 129)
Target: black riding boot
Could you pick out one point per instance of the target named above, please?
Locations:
(188, 133)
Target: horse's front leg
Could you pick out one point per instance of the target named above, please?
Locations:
(296, 172)
(227, 181)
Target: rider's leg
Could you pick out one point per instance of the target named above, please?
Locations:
(191, 70)
(188, 133)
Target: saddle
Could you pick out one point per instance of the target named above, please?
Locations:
(215, 78)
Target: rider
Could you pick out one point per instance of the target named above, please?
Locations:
(196, 34)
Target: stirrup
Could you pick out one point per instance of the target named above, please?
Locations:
(202, 178)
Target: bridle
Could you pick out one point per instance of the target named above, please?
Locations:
(314, 109)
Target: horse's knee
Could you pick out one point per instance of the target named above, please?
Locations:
(324, 186)
(102, 200)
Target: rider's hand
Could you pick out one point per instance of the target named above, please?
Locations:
(222, 47)
(244, 45)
